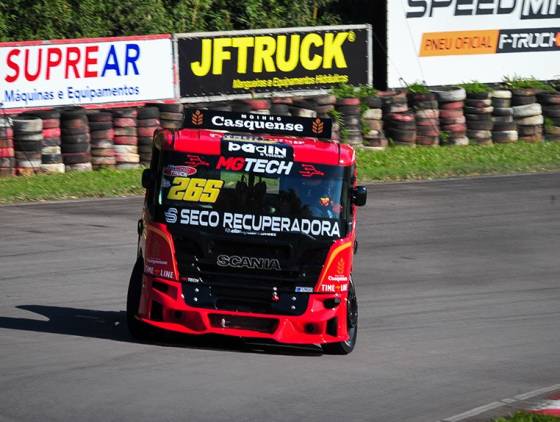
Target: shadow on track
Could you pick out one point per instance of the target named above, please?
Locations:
(111, 325)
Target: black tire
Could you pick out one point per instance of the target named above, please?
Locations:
(138, 329)
(148, 113)
(346, 347)
(95, 125)
(72, 148)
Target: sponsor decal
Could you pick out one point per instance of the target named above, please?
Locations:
(192, 280)
(304, 289)
(264, 225)
(195, 190)
(273, 60)
(195, 161)
(334, 288)
(309, 170)
(255, 165)
(158, 272)
(490, 42)
(252, 263)
(183, 171)
(257, 123)
(338, 278)
(520, 9)
(171, 215)
(264, 150)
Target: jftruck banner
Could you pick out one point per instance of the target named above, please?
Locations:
(453, 41)
(86, 71)
(239, 63)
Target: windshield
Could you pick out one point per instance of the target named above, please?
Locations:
(254, 196)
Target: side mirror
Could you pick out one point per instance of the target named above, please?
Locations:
(147, 178)
(359, 196)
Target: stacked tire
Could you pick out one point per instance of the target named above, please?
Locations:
(303, 107)
(102, 139)
(125, 126)
(372, 121)
(76, 148)
(426, 111)
(28, 142)
(550, 102)
(325, 105)
(399, 122)
(527, 113)
(504, 130)
(7, 156)
(148, 122)
(171, 115)
(453, 127)
(261, 106)
(280, 106)
(51, 154)
(478, 113)
(350, 111)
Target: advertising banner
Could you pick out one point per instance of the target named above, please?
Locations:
(239, 63)
(86, 71)
(452, 41)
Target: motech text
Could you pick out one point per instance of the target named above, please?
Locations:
(273, 53)
(525, 9)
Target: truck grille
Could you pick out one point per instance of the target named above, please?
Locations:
(271, 291)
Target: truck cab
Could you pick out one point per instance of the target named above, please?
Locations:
(248, 230)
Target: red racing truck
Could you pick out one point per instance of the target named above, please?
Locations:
(248, 230)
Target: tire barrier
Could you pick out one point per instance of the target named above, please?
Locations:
(7, 153)
(75, 145)
(425, 107)
(399, 122)
(372, 121)
(51, 154)
(302, 107)
(550, 102)
(102, 137)
(125, 128)
(28, 143)
(504, 130)
(478, 114)
(453, 126)
(171, 115)
(528, 115)
(325, 106)
(349, 109)
(99, 139)
(148, 122)
(281, 106)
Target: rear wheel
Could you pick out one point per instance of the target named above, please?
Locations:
(345, 347)
(138, 329)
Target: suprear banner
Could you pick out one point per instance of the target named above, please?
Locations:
(86, 71)
(262, 61)
(452, 41)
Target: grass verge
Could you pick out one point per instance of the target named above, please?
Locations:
(95, 184)
(528, 417)
(436, 163)
(392, 164)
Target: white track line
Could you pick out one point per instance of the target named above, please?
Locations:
(504, 402)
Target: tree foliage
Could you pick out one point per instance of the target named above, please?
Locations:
(51, 19)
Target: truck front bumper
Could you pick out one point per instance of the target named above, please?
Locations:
(163, 305)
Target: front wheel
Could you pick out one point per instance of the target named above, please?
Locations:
(346, 347)
(138, 329)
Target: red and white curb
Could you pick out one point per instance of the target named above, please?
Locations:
(550, 407)
(552, 404)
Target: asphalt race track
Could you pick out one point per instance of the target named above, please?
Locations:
(459, 291)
